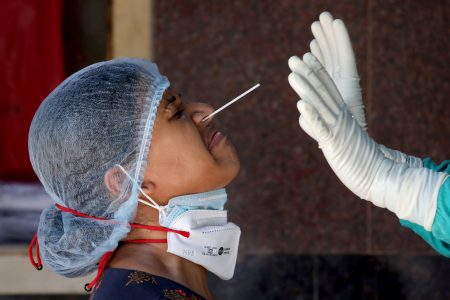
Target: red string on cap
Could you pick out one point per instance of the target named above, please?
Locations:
(101, 268)
(34, 242)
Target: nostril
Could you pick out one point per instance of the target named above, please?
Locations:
(197, 117)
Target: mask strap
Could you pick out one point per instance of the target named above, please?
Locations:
(153, 203)
(133, 225)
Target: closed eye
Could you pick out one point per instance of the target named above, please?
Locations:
(178, 114)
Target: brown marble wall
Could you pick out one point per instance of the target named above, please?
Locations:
(286, 199)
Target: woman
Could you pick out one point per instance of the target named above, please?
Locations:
(137, 178)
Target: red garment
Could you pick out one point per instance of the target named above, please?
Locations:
(31, 60)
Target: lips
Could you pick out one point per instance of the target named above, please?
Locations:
(214, 138)
(217, 137)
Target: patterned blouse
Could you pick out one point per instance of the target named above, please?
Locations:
(129, 284)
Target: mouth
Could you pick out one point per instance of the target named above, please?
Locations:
(215, 137)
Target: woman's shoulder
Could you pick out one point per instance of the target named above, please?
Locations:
(131, 284)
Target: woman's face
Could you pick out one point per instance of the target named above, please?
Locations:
(187, 156)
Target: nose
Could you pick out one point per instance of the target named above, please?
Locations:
(197, 111)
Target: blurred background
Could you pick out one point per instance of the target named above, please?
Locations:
(304, 235)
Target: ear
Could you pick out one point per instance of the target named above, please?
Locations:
(113, 181)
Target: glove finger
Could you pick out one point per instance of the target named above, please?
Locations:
(319, 35)
(299, 67)
(306, 128)
(349, 72)
(304, 89)
(325, 78)
(315, 124)
(326, 21)
(346, 56)
(315, 50)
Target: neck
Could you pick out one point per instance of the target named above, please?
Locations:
(154, 259)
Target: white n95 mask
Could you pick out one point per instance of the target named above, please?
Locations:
(213, 242)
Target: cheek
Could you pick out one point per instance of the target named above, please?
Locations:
(179, 162)
(180, 153)
(195, 163)
(194, 154)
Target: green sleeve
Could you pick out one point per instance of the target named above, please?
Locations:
(440, 246)
(443, 167)
(439, 237)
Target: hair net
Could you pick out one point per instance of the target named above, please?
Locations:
(97, 118)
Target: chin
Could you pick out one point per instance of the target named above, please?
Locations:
(234, 165)
(237, 168)
(232, 172)
(228, 163)
(223, 176)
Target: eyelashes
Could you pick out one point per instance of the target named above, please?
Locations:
(178, 114)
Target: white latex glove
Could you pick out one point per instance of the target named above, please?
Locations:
(333, 48)
(411, 193)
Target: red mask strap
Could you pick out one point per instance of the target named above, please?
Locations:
(147, 241)
(77, 213)
(160, 228)
(134, 225)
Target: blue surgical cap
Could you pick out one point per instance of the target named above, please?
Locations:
(98, 118)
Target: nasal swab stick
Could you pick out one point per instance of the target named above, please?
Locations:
(229, 103)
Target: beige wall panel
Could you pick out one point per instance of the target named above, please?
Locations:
(131, 32)
(18, 277)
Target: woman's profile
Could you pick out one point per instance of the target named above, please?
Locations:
(138, 183)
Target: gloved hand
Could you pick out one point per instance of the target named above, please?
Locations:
(332, 47)
(411, 193)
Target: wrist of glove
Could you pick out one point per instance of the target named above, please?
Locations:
(409, 192)
(400, 157)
